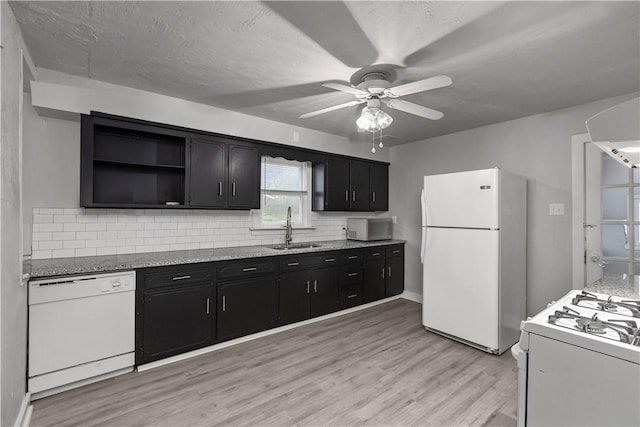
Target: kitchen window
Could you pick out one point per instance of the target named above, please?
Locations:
(284, 183)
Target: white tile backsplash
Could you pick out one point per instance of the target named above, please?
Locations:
(61, 233)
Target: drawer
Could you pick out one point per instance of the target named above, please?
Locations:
(350, 296)
(246, 268)
(177, 276)
(303, 262)
(376, 253)
(396, 250)
(351, 274)
(351, 257)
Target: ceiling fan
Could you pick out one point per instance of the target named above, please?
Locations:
(375, 90)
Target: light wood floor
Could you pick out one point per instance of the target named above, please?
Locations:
(373, 367)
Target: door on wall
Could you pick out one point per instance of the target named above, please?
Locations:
(612, 217)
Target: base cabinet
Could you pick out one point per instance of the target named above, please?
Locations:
(177, 320)
(374, 279)
(246, 306)
(394, 284)
(305, 294)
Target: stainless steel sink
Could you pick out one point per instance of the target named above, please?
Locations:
(284, 247)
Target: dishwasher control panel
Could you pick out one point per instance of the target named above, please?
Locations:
(68, 287)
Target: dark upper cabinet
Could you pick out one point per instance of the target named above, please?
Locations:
(177, 320)
(358, 186)
(244, 177)
(246, 306)
(341, 184)
(208, 173)
(378, 187)
(134, 165)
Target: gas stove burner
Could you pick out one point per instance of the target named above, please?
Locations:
(623, 307)
(624, 331)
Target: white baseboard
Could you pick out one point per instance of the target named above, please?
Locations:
(412, 296)
(268, 332)
(24, 415)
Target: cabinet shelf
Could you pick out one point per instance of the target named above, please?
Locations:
(136, 164)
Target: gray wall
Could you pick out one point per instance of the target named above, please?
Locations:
(13, 296)
(537, 147)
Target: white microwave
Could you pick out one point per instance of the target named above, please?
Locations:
(369, 229)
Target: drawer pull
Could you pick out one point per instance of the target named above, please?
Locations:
(352, 274)
(353, 257)
(291, 264)
(249, 269)
(375, 254)
(330, 260)
(397, 251)
(181, 277)
(352, 296)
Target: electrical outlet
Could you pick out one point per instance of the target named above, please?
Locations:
(394, 219)
(556, 208)
(296, 136)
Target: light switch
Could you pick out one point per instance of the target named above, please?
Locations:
(556, 208)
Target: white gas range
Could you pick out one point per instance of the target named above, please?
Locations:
(579, 363)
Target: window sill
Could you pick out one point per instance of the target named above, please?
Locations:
(281, 228)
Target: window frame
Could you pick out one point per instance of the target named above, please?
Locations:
(304, 194)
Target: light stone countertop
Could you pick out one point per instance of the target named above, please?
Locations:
(41, 268)
(618, 285)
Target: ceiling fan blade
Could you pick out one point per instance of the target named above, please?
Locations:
(420, 86)
(344, 88)
(335, 107)
(411, 108)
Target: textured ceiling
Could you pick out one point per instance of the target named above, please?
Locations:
(269, 59)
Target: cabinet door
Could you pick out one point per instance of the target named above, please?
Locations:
(337, 185)
(294, 296)
(176, 321)
(395, 276)
(324, 291)
(244, 177)
(374, 279)
(246, 306)
(358, 186)
(207, 173)
(379, 187)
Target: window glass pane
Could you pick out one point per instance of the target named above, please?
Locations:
(636, 248)
(281, 175)
(614, 203)
(616, 268)
(613, 172)
(636, 175)
(636, 203)
(615, 240)
(274, 208)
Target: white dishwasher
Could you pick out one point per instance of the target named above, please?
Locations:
(81, 329)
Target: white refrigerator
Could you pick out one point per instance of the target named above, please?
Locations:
(474, 257)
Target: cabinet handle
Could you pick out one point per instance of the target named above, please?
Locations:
(220, 188)
(208, 305)
(330, 260)
(353, 195)
(224, 303)
(375, 254)
(352, 296)
(389, 272)
(308, 284)
(233, 189)
(181, 277)
(383, 272)
(249, 269)
(315, 286)
(397, 251)
(352, 274)
(353, 257)
(292, 264)
(374, 196)
(346, 195)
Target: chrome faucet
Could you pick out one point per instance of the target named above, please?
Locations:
(287, 235)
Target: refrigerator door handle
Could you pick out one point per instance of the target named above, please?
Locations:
(423, 246)
(423, 204)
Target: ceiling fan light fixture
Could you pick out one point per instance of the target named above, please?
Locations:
(373, 119)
